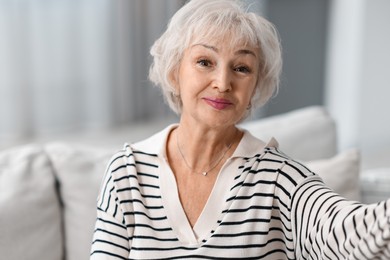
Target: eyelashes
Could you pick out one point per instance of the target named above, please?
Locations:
(206, 63)
(243, 69)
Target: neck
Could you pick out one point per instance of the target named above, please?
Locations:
(203, 148)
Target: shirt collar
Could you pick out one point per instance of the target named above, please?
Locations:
(248, 146)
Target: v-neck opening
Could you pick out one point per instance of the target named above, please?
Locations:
(212, 210)
(217, 203)
(210, 214)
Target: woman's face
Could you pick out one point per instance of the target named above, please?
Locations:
(216, 82)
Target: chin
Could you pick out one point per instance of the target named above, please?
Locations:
(221, 122)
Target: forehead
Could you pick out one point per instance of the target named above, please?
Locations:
(223, 41)
(236, 51)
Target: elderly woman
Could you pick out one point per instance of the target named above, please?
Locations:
(205, 188)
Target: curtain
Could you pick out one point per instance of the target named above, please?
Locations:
(71, 65)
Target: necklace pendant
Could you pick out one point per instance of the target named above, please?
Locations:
(204, 173)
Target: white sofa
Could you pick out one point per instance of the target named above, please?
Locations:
(48, 191)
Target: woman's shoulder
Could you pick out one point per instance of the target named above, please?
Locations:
(142, 152)
(274, 159)
(153, 145)
(120, 158)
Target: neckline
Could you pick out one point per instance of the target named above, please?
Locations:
(156, 144)
(211, 212)
(213, 209)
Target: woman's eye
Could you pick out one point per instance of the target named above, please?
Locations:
(242, 69)
(204, 63)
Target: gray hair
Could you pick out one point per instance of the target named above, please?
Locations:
(210, 19)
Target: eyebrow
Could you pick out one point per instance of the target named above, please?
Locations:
(215, 49)
(246, 51)
(206, 46)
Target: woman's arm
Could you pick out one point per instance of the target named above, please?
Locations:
(327, 226)
(111, 238)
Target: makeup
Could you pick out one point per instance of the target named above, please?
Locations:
(218, 103)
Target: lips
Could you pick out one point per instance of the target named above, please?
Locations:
(218, 103)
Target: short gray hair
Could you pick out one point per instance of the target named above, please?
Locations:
(212, 19)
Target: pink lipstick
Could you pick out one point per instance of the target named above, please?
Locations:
(218, 103)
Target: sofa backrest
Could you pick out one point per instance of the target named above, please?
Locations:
(307, 134)
(30, 210)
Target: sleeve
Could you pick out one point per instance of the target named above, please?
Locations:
(111, 238)
(327, 226)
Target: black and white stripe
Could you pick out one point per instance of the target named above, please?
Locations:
(276, 209)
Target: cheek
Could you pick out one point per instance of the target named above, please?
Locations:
(250, 92)
(253, 92)
(191, 84)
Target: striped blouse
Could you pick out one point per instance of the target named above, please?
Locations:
(263, 205)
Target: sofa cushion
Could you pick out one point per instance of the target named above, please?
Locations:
(341, 173)
(80, 170)
(30, 218)
(307, 134)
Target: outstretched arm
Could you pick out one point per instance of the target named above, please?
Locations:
(327, 226)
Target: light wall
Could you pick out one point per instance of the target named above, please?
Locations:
(302, 25)
(357, 85)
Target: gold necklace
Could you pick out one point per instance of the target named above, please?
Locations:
(204, 173)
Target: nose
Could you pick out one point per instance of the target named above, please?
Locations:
(223, 80)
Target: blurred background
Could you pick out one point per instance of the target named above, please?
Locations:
(78, 69)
